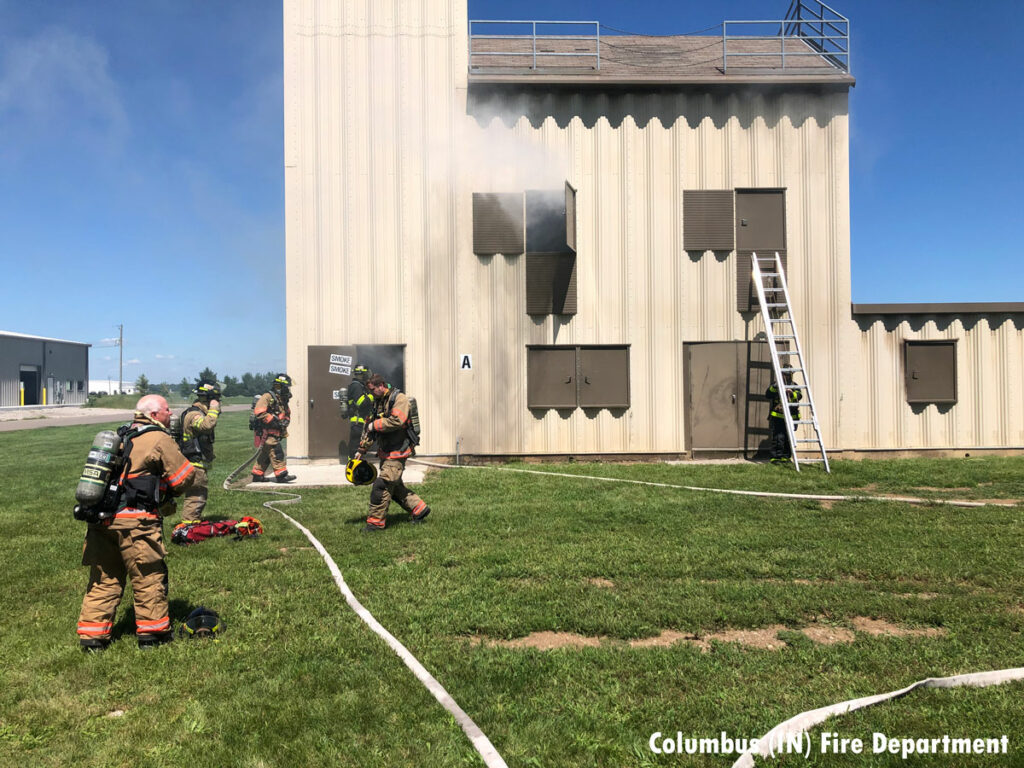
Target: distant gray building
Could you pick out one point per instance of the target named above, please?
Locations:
(35, 370)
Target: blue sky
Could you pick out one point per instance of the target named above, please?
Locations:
(141, 163)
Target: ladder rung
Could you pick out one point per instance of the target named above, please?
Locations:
(780, 304)
(807, 439)
(773, 290)
(780, 319)
(794, 386)
(786, 352)
(791, 370)
(809, 461)
(769, 274)
(786, 337)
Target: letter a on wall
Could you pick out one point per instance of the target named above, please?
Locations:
(465, 362)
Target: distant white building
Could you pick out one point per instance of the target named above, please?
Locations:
(36, 370)
(111, 386)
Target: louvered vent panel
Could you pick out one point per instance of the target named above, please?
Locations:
(498, 223)
(708, 223)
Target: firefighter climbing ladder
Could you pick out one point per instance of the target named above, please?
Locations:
(780, 325)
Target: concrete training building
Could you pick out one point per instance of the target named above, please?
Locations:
(548, 241)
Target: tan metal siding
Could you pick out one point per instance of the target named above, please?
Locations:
(990, 400)
(382, 161)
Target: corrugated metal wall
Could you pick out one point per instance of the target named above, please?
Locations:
(990, 384)
(385, 144)
(63, 361)
(383, 154)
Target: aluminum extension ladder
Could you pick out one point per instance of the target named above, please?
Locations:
(780, 325)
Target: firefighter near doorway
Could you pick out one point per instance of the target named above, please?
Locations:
(356, 405)
(394, 428)
(271, 417)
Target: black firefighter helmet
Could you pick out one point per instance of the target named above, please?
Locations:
(202, 622)
(283, 384)
(207, 389)
(359, 472)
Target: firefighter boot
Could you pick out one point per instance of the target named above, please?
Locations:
(284, 477)
(93, 645)
(148, 642)
(421, 516)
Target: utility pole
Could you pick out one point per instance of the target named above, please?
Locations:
(120, 358)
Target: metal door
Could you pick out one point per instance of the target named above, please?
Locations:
(329, 371)
(725, 405)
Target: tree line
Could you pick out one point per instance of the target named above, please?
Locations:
(247, 384)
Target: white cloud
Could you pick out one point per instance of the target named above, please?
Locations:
(164, 357)
(133, 361)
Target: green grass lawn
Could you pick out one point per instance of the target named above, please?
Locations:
(298, 680)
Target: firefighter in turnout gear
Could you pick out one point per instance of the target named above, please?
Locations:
(198, 423)
(391, 430)
(273, 416)
(360, 407)
(779, 447)
(130, 544)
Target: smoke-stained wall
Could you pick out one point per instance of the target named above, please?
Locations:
(386, 142)
(385, 145)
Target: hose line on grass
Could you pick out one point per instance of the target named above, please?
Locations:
(762, 494)
(477, 737)
(775, 740)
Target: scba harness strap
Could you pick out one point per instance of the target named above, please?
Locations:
(139, 491)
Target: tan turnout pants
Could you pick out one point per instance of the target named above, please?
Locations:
(113, 554)
(271, 454)
(195, 498)
(388, 486)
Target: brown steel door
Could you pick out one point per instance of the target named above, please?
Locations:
(713, 422)
(329, 372)
(725, 402)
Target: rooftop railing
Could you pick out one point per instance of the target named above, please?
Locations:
(481, 31)
(810, 29)
(817, 30)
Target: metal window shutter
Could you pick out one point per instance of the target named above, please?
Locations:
(570, 216)
(551, 377)
(551, 284)
(746, 294)
(604, 377)
(498, 223)
(708, 220)
(930, 371)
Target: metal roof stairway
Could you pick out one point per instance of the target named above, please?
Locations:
(780, 325)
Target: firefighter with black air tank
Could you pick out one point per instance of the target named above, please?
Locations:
(125, 541)
(396, 441)
(198, 423)
(358, 407)
(272, 417)
(778, 442)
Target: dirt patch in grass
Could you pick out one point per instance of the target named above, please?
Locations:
(826, 503)
(407, 558)
(601, 583)
(765, 638)
(920, 595)
(664, 640)
(754, 638)
(877, 627)
(828, 635)
(544, 641)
